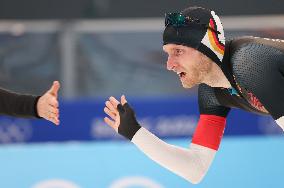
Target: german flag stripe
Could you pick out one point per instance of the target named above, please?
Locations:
(213, 38)
(214, 25)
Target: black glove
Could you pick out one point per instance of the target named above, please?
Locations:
(128, 123)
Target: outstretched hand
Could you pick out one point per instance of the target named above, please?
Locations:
(122, 117)
(47, 105)
(112, 111)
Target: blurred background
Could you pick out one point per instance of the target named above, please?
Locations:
(102, 48)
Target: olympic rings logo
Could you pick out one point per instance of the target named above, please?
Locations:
(15, 130)
(127, 182)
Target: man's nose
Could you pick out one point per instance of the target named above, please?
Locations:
(170, 63)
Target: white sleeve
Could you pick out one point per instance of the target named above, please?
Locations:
(191, 164)
(280, 122)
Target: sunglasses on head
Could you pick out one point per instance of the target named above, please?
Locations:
(177, 19)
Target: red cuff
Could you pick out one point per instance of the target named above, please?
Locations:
(209, 131)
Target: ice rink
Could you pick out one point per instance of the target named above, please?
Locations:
(241, 162)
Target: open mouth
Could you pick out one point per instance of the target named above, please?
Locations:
(181, 74)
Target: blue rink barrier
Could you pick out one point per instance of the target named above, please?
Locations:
(241, 162)
(174, 117)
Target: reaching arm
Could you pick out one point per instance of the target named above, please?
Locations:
(192, 163)
(20, 105)
(17, 104)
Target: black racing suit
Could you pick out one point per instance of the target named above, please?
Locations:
(255, 68)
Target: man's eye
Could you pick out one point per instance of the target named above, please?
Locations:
(178, 52)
